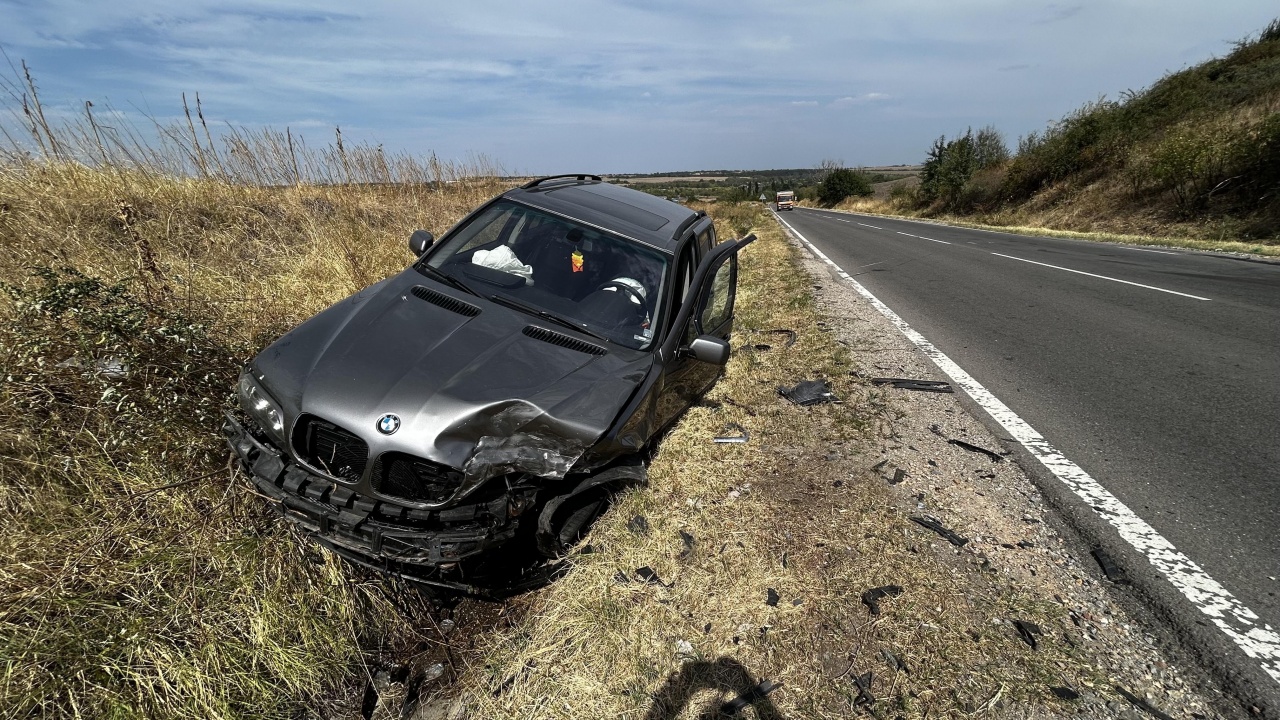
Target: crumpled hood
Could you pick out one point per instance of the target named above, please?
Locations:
(474, 393)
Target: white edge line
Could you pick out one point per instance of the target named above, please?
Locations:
(1243, 626)
(1101, 277)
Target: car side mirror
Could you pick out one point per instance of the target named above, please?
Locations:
(709, 349)
(420, 240)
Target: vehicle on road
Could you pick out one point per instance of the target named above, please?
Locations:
(786, 200)
(496, 393)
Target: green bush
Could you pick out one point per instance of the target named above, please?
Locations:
(842, 183)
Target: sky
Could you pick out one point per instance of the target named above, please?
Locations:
(619, 86)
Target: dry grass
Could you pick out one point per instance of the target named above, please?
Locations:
(138, 577)
(794, 510)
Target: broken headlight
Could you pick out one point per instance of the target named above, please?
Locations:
(261, 407)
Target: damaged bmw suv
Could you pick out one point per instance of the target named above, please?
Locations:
(494, 395)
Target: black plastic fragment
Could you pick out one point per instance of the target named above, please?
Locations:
(749, 697)
(932, 523)
(646, 574)
(908, 384)
(898, 476)
(726, 435)
(863, 683)
(1064, 693)
(872, 597)
(772, 598)
(809, 392)
(877, 466)
(895, 661)
(1142, 705)
(1028, 632)
(638, 525)
(1109, 568)
(977, 448)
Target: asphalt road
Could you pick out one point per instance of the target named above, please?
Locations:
(1156, 371)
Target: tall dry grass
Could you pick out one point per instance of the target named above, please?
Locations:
(138, 576)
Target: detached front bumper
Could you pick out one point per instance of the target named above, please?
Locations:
(413, 543)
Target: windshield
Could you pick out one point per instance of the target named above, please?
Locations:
(786, 196)
(605, 284)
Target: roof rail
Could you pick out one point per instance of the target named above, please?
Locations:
(539, 181)
(688, 222)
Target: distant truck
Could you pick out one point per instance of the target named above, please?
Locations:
(786, 200)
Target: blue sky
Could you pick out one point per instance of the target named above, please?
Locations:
(624, 85)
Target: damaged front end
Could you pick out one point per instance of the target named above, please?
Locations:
(370, 501)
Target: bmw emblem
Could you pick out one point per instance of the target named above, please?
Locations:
(388, 424)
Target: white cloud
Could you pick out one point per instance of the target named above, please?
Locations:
(627, 76)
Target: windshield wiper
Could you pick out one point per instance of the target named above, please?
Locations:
(544, 314)
(446, 278)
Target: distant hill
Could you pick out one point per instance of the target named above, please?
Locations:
(1196, 153)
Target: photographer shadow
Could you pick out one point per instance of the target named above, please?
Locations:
(724, 674)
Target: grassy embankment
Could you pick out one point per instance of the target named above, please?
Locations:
(1191, 161)
(794, 510)
(138, 576)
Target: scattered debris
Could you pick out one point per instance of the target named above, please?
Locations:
(784, 559)
(689, 542)
(898, 476)
(1028, 632)
(909, 384)
(621, 577)
(966, 445)
(433, 672)
(894, 660)
(638, 525)
(1064, 693)
(749, 697)
(725, 437)
(997, 457)
(772, 598)
(863, 683)
(1141, 704)
(684, 648)
(931, 523)
(646, 574)
(877, 466)
(797, 602)
(809, 392)
(872, 597)
(1109, 568)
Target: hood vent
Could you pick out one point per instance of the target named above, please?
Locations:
(453, 305)
(564, 341)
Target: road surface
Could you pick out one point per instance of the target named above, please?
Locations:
(1156, 371)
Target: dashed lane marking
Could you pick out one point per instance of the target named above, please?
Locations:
(1101, 277)
(1243, 626)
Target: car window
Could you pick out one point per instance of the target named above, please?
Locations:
(706, 239)
(605, 283)
(717, 303)
(488, 228)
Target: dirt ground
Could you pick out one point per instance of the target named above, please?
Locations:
(1012, 534)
